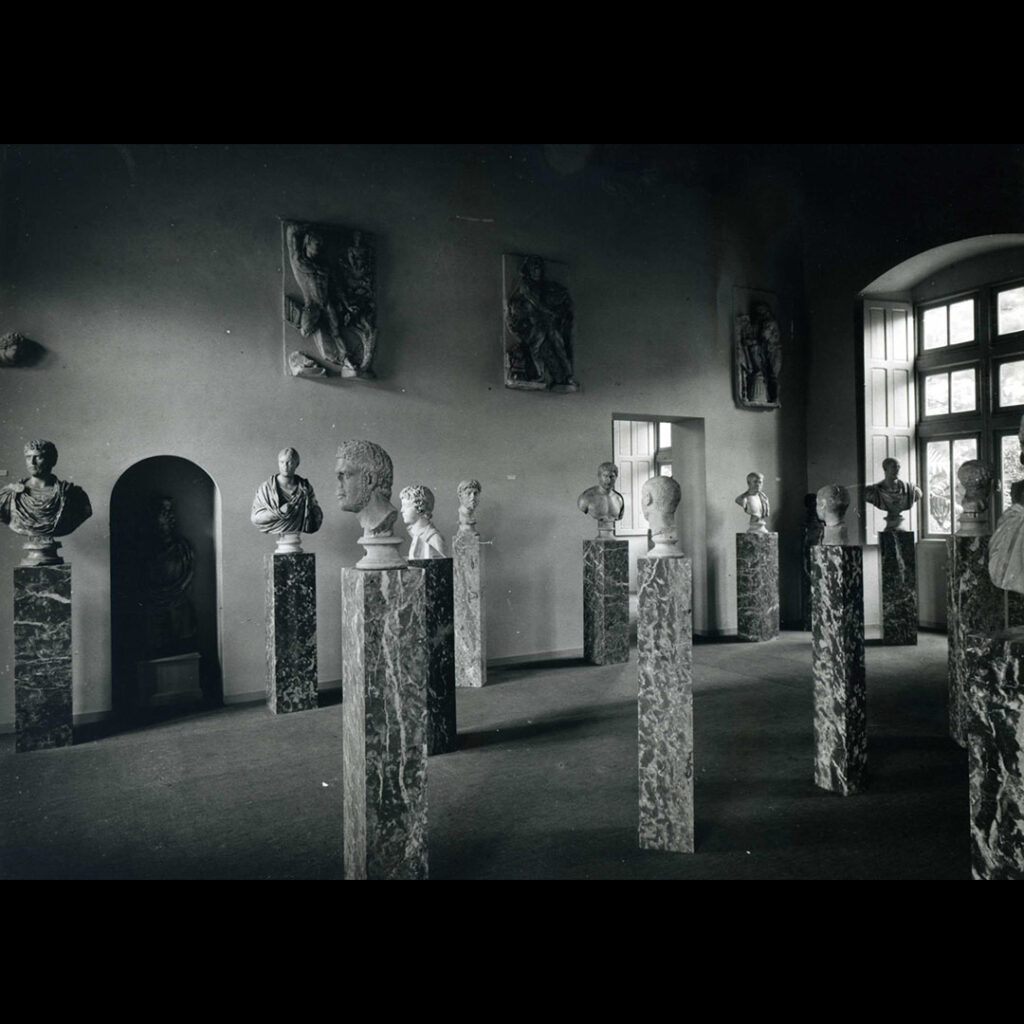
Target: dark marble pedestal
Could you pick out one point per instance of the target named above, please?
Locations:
(837, 658)
(899, 587)
(976, 613)
(470, 634)
(994, 719)
(757, 586)
(384, 722)
(606, 601)
(440, 638)
(42, 656)
(665, 703)
(291, 632)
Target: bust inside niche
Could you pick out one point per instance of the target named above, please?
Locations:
(833, 501)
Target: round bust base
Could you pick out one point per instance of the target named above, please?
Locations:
(381, 553)
(758, 526)
(973, 527)
(665, 547)
(288, 544)
(41, 551)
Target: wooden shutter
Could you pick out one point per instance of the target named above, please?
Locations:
(634, 444)
(890, 403)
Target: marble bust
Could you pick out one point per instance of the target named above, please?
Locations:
(41, 507)
(1006, 548)
(659, 498)
(755, 503)
(602, 502)
(892, 495)
(833, 501)
(417, 510)
(168, 568)
(286, 506)
(469, 498)
(365, 475)
(976, 478)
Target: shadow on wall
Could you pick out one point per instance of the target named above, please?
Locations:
(164, 573)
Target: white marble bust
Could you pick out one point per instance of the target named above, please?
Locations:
(602, 502)
(469, 498)
(365, 476)
(755, 503)
(417, 510)
(659, 498)
(1006, 548)
(285, 505)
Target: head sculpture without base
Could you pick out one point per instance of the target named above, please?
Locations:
(602, 502)
(41, 507)
(417, 512)
(1006, 548)
(833, 501)
(285, 505)
(892, 495)
(659, 498)
(469, 498)
(365, 476)
(976, 478)
(755, 503)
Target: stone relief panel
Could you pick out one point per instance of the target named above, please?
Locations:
(760, 331)
(330, 308)
(537, 325)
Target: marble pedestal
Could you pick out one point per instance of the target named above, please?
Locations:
(899, 587)
(291, 632)
(42, 656)
(606, 601)
(976, 613)
(665, 703)
(470, 635)
(440, 640)
(837, 658)
(994, 721)
(384, 722)
(757, 586)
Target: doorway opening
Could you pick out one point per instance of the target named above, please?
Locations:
(646, 445)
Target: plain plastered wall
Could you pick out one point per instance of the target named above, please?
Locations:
(153, 278)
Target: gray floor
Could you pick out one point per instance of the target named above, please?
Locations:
(543, 786)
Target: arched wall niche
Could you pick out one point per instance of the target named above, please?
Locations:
(164, 602)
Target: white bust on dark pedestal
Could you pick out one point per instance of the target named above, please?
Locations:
(659, 498)
(602, 502)
(417, 510)
(285, 505)
(41, 507)
(833, 501)
(365, 475)
(755, 503)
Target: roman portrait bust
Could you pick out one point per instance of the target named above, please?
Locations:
(602, 502)
(285, 505)
(417, 512)
(659, 498)
(365, 476)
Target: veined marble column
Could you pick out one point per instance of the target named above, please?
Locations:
(837, 657)
(757, 585)
(606, 601)
(42, 656)
(384, 722)
(291, 632)
(977, 611)
(470, 632)
(665, 702)
(440, 639)
(899, 587)
(994, 721)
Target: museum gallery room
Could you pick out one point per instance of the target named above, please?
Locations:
(566, 511)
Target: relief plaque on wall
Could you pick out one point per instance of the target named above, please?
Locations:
(537, 325)
(759, 331)
(330, 309)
